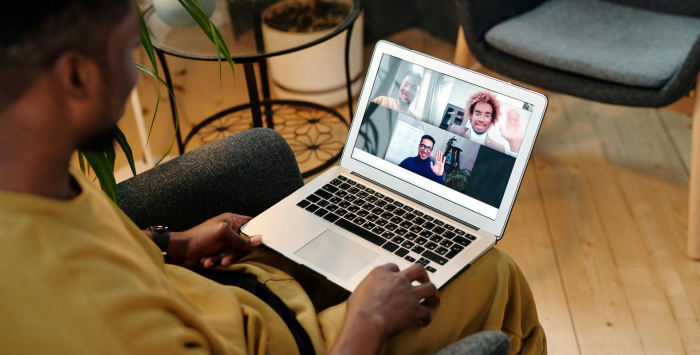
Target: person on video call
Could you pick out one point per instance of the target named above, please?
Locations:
(421, 163)
(407, 92)
(483, 113)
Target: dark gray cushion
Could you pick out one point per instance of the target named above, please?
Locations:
(602, 40)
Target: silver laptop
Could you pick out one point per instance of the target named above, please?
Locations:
(429, 173)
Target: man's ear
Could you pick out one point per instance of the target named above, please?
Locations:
(77, 75)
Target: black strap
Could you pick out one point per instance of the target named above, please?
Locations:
(251, 284)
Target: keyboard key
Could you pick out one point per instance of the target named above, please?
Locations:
(410, 259)
(407, 244)
(434, 257)
(431, 246)
(388, 235)
(351, 182)
(312, 208)
(453, 252)
(372, 217)
(387, 215)
(457, 247)
(341, 194)
(418, 249)
(344, 186)
(360, 221)
(341, 213)
(353, 209)
(436, 238)
(409, 217)
(321, 212)
(382, 222)
(446, 243)
(362, 194)
(423, 261)
(416, 229)
(419, 221)
(406, 224)
(441, 250)
(431, 269)
(449, 227)
(369, 225)
(336, 182)
(363, 213)
(421, 241)
(426, 234)
(323, 193)
(380, 203)
(462, 241)
(399, 212)
(369, 191)
(303, 203)
(471, 237)
(353, 190)
(459, 232)
(360, 186)
(391, 227)
(359, 202)
(313, 198)
(390, 208)
(396, 220)
(335, 199)
(428, 218)
(408, 208)
(401, 252)
(330, 188)
(350, 217)
(390, 246)
(360, 232)
(418, 213)
(341, 177)
(388, 199)
(323, 203)
(331, 217)
(398, 204)
(378, 210)
(378, 230)
(401, 231)
(372, 199)
(411, 236)
(438, 230)
(397, 240)
(429, 225)
(350, 198)
(379, 195)
(449, 235)
(438, 222)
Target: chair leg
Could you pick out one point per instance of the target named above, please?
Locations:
(694, 208)
(462, 54)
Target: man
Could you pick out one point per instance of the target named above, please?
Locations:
(483, 113)
(79, 277)
(407, 93)
(421, 163)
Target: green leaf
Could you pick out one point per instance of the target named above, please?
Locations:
(111, 155)
(121, 139)
(145, 38)
(150, 72)
(104, 171)
(81, 160)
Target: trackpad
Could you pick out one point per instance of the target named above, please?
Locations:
(337, 255)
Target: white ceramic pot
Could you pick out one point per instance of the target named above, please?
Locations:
(317, 73)
(175, 16)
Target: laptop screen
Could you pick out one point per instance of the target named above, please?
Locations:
(450, 132)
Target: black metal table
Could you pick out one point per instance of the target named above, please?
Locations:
(306, 126)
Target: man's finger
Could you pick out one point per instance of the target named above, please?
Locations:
(429, 292)
(416, 272)
(239, 242)
(391, 267)
(425, 316)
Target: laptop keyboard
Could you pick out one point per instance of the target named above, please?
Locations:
(400, 229)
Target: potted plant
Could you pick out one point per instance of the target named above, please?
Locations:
(317, 73)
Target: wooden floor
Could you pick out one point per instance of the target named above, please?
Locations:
(598, 227)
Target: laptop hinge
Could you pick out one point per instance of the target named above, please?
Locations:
(417, 202)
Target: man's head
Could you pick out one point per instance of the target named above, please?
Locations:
(483, 110)
(409, 87)
(72, 57)
(425, 148)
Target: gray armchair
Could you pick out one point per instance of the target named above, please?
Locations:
(643, 53)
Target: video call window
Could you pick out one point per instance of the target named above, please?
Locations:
(446, 130)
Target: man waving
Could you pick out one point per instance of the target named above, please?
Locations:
(421, 163)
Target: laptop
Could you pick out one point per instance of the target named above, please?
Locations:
(432, 164)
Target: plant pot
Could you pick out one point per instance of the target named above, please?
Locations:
(315, 74)
(175, 16)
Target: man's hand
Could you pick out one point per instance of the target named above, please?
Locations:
(384, 304)
(439, 167)
(214, 242)
(513, 131)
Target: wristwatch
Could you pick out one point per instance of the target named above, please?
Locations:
(161, 236)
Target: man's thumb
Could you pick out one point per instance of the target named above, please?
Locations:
(246, 243)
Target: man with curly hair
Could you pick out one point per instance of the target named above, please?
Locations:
(483, 112)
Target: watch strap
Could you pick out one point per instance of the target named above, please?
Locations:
(161, 236)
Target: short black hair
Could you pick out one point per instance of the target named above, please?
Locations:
(33, 34)
(414, 74)
(428, 137)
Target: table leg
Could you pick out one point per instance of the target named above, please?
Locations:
(266, 93)
(348, 81)
(173, 108)
(253, 94)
